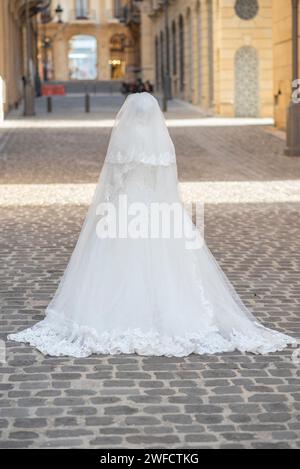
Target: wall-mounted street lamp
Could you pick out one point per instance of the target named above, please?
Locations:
(59, 12)
(30, 10)
(46, 42)
(293, 121)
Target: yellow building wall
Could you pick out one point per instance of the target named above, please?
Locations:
(147, 49)
(234, 33)
(11, 53)
(230, 33)
(102, 25)
(282, 42)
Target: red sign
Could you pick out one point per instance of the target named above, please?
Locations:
(53, 90)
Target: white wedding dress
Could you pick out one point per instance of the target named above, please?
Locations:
(144, 296)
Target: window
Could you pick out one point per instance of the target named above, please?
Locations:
(246, 82)
(246, 9)
(82, 9)
(83, 58)
(117, 8)
(117, 59)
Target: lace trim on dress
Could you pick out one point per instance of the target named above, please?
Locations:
(161, 159)
(58, 336)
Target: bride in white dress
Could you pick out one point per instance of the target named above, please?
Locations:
(150, 296)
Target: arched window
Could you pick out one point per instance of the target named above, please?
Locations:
(246, 82)
(174, 48)
(181, 53)
(83, 58)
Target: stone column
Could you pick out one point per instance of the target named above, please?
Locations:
(60, 58)
(293, 122)
(2, 98)
(104, 53)
(147, 45)
(2, 71)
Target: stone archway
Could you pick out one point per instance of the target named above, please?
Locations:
(246, 82)
(83, 58)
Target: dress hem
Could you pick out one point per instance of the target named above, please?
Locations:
(58, 336)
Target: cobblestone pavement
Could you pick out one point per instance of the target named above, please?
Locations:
(231, 400)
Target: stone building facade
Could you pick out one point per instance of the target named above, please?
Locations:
(92, 42)
(231, 56)
(282, 36)
(18, 49)
(11, 54)
(221, 54)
